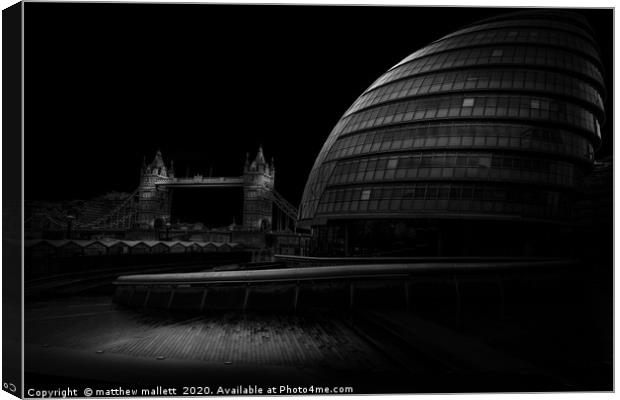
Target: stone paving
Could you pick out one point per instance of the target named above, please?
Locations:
(97, 325)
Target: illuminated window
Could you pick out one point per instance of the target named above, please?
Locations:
(535, 104)
(497, 53)
(468, 102)
(365, 194)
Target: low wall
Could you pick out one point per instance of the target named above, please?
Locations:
(437, 289)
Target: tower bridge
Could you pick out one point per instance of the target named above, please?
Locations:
(149, 205)
(257, 182)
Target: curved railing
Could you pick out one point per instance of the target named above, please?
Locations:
(337, 272)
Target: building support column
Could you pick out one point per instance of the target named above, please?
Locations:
(171, 298)
(346, 240)
(246, 296)
(131, 294)
(296, 296)
(204, 298)
(146, 298)
(502, 298)
(439, 243)
(406, 286)
(351, 294)
(458, 301)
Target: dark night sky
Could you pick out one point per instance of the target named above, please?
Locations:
(107, 84)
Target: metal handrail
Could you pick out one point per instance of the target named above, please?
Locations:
(336, 272)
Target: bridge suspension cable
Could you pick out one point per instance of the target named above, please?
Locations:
(123, 216)
(286, 208)
(53, 221)
(283, 204)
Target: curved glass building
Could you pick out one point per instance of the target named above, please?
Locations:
(476, 144)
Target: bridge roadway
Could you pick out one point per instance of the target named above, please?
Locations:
(200, 181)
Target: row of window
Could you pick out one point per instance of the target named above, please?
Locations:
(439, 191)
(154, 179)
(443, 206)
(321, 172)
(452, 159)
(457, 166)
(507, 36)
(516, 54)
(462, 136)
(514, 107)
(315, 186)
(526, 23)
(161, 171)
(548, 82)
(424, 197)
(461, 173)
(258, 206)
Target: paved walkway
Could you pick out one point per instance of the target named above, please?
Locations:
(96, 326)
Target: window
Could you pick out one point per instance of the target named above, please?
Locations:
(535, 104)
(468, 102)
(497, 53)
(365, 194)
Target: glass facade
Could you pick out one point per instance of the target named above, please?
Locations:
(495, 122)
(447, 198)
(499, 55)
(485, 81)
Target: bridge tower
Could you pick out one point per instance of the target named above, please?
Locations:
(258, 182)
(153, 200)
